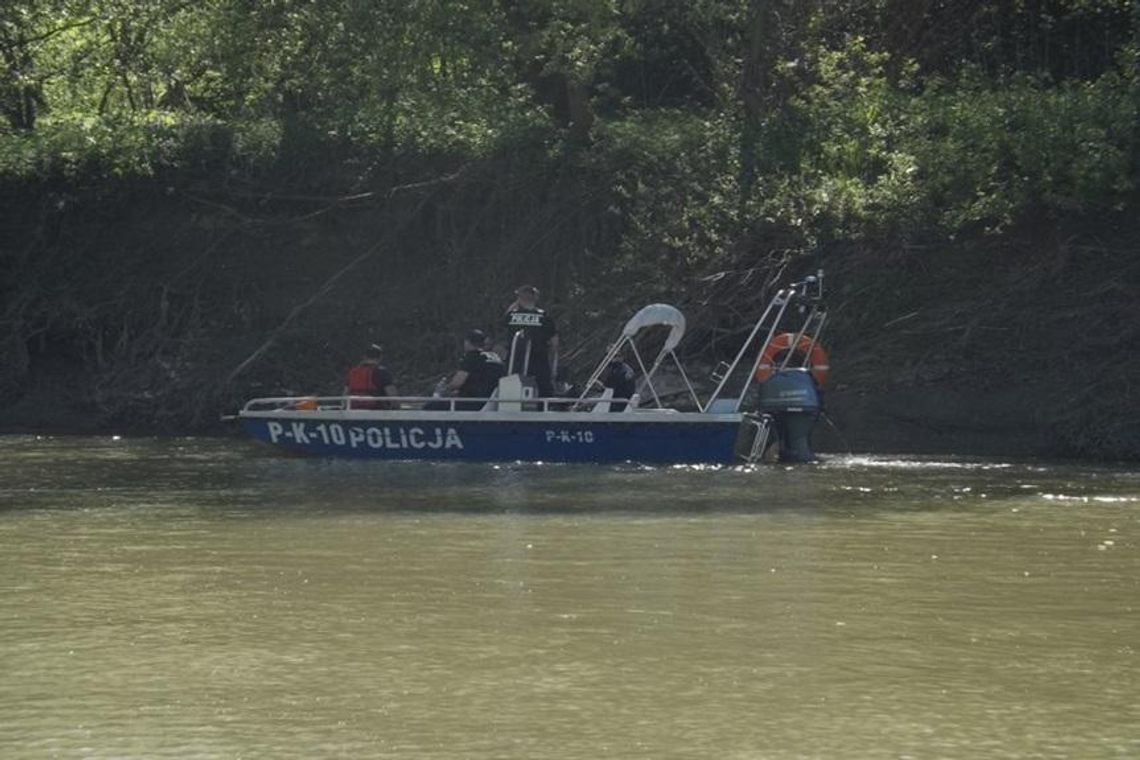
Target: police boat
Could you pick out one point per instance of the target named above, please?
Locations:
(763, 407)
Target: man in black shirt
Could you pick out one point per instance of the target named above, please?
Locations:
(539, 335)
(619, 376)
(478, 374)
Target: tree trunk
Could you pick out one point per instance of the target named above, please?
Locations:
(763, 96)
(19, 98)
(755, 89)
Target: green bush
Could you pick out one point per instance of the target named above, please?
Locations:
(91, 148)
(672, 177)
(877, 155)
(987, 153)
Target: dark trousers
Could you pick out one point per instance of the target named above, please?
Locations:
(540, 371)
(538, 368)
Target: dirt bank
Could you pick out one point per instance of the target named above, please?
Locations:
(154, 309)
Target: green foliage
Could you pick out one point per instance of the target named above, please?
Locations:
(879, 153)
(852, 174)
(672, 178)
(713, 114)
(986, 154)
(145, 144)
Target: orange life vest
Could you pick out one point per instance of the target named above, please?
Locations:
(362, 380)
(817, 362)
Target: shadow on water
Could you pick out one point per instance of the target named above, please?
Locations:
(233, 478)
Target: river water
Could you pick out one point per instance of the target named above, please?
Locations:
(207, 598)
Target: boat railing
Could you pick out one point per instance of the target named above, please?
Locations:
(525, 368)
(808, 292)
(436, 403)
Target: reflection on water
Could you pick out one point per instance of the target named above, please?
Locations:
(206, 598)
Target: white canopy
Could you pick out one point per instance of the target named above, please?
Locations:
(658, 314)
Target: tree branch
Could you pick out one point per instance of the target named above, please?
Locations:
(328, 285)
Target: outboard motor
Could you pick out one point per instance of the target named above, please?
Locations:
(792, 399)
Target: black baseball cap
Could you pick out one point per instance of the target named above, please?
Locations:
(476, 337)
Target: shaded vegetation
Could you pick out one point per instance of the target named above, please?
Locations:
(205, 200)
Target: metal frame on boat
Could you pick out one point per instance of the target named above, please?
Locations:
(513, 424)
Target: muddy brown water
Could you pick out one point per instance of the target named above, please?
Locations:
(206, 598)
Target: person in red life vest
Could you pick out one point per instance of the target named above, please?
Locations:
(539, 342)
(370, 378)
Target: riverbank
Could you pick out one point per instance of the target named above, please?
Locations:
(227, 204)
(1017, 344)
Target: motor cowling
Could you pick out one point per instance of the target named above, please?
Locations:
(792, 398)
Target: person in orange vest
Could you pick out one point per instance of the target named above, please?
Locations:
(371, 378)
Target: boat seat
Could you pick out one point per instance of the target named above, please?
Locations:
(602, 405)
(723, 406)
(492, 405)
(511, 394)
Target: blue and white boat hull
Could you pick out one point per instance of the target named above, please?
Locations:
(657, 437)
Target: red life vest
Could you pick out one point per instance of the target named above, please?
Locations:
(362, 380)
